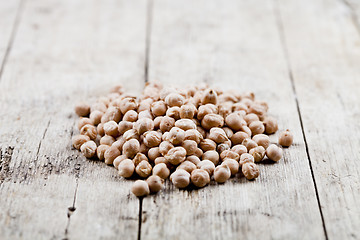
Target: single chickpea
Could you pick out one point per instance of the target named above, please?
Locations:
(258, 153)
(210, 96)
(145, 104)
(240, 106)
(212, 120)
(111, 114)
(96, 116)
(143, 169)
(166, 91)
(193, 134)
(100, 151)
(207, 165)
(249, 144)
(88, 149)
(200, 178)
(128, 104)
(158, 108)
(110, 154)
(139, 157)
(124, 126)
(167, 123)
(199, 153)
(145, 114)
(235, 121)
(190, 146)
(256, 127)
(100, 129)
(185, 124)
(239, 149)
(212, 156)
(250, 170)
(229, 133)
(126, 168)
(262, 140)
(225, 109)
(207, 145)
(229, 154)
(131, 148)
(118, 160)
(201, 131)
(218, 135)
(246, 157)
(161, 170)
(79, 140)
(157, 122)
(205, 110)
(286, 138)
(223, 147)
(100, 106)
(153, 153)
(119, 143)
(187, 111)
(159, 160)
(222, 173)
(82, 109)
(140, 188)
(180, 178)
(188, 166)
(174, 100)
(130, 116)
(152, 139)
(111, 128)
(143, 125)
(274, 153)
(258, 109)
(239, 137)
(144, 149)
(164, 147)
(247, 130)
(270, 124)
(131, 134)
(232, 164)
(176, 136)
(84, 121)
(89, 130)
(176, 155)
(194, 159)
(173, 112)
(155, 183)
(251, 117)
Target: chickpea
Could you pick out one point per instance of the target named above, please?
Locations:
(166, 124)
(180, 178)
(286, 138)
(157, 122)
(173, 112)
(239, 149)
(125, 126)
(207, 145)
(96, 116)
(185, 124)
(153, 153)
(159, 160)
(84, 121)
(176, 155)
(210, 96)
(200, 178)
(111, 128)
(131, 148)
(111, 114)
(187, 111)
(100, 106)
(229, 133)
(140, 188)
(207, 165)
(258, 153)
(164, 147)
(100, 129)
(232, 164)
(193, 134)
(212, 120)
(201, 131)
(82, 109)
(130, 116)
(256, 127)
(218, 135)
(262, 140)
(79, 140)
(174, 100)
(152, 139)
(143, 125)
(194, 159)
(274, 153)
(222, 173)
(249, 144)
(258, 109)
(247, 130)
(100, 151)
(144, 149)
(250, 170)
(119, 143)
(161, 170)
(89, 130)
(139, 157)
(246, 157)
(251, 117)
(199, 153)
(158, 108)
(118, 160)
(176, 136)
(128, 104)
(239, 137)
(110, 154)
(143, 169)
(188, 166)
(190, 147)
(270, 124)
(155, 183)
(126, 168)
(145, 114)
(88, 149)
(131, 134)
(222, 147)
(234, 121)
(206, 109)
(229, 154)
(225, 109)
(166, 91)
(212, 156)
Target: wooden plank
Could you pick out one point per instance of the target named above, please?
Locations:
(324, 58)
(65, 52)
(233, 45)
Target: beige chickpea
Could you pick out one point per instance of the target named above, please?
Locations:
(239, 149)
(145, 114)
(159, 160)
(139, 157)
(249, 144)
(262, 140)
(212, 156)
(111, 114)
(207, 165)
(79, 140)
(105, 100)
(185, 124)
(176, 136)
(187, 111)
(119, 143)
(82, 109)
(256, 127)
(153, 153)
(200, 178)
(111, 128)
(128, 104)
(258, 153)
(193, 134)
(100, 151)
(124, 126)
(155, 183)
(173, 112)
(110, 154)
(274, 153)
(207, 145)
(199, 152)
(144, 149)
(212, 120)
(131, 148)
(190, 146)
(166, 91)
(229, 154)
(84, 121)
(167, 123)
(174, 100)
(96, 116)
(131, 134)
(247, 130)
(222, 173)
(270, 124)
(126, 168)
(286, 138)
(201, 130)
(251, 117)
(157, 122)
(130, 116)
(246, 157)
(180, 178)
(194, 159)
(88, 149)
(152, 139)
(143, 169)
(164, 147)
(232, 164)
(176, 155)
(100, 129)
(89, 130)
(225, 109)
(143, 125)
(239, 137)
(240, 106)
(161, 170)
(188, 166)
(235, 121)
(229, 133)
(140, 188)
(145, 104)
(206, 109)
(209, 96)
(218, 135)
(258, 109)
(158, 108)
(222, 147)
(250, 170)
(98, 106)
(118, 160)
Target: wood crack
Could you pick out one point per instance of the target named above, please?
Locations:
(281, 31)
(43, 137)
(148, 38)
(5, 160)
(354, 17)
(71, 210)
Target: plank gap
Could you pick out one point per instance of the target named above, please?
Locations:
(149, 9)
(140, 218)
(71, 210)
(354, 17)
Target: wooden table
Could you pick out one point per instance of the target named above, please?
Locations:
(303, 57)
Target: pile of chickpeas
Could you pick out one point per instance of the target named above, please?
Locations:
(190, 135)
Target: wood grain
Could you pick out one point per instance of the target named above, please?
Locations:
(65, 52)
(233, 45)
(324, 57)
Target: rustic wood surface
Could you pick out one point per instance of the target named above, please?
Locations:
(302, 57)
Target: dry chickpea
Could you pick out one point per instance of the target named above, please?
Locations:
(210, 96)
(193, 134)
(130, 116)
(201, 131)
(89, 130)
(180, 178)
(271, 125)
(199, 153)
(152, 139)
(159, 160)
(286, 138)
(88, 149)
(118, 160)
(158, 108)
(246, 157)
(100, 129)
(229, 154)
(153, 153)
(251, 117)
(143, 125)
(174, 100)
(167, 123)
(207, 145)
(249, 144)
(187, 111)
(155, 183)
(145, 114)
(131, 148)
(194, 159)
(247, 130)
(128, 104)
(274, 153)
(235, 121)
(218, 135)
(225, 109)
(96, 116)
(206, 109)
(258, 109)
(212, 156)
(100, 106)
(111, 114)
(164, 147)
(222, 173)
(176, 155)
(124, 126)
(110, 154)
(139, 157)
(200, 178)
(256, 127)
(222, 147)
(82, 109)
(119, 143)
(166, 91)
(84, 121)
(104, 100)
(157, 122)
(131, 134)
(239, 137)
(190, 146)
(240, 106)
(187, 165)
(262, 140)
(140, 188)
(232, 164)
(229, 133)
(111, 128)
(143, 169)
(126, 168)
(145, 104)
(173, 112)
(239, 149)
(176, 136)
(143, 148)
(79, 140)
(212, 120)
(100, 151)
(185, 124)
(250, 170)
(207, 165)
(161, 170)
(258, 153)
